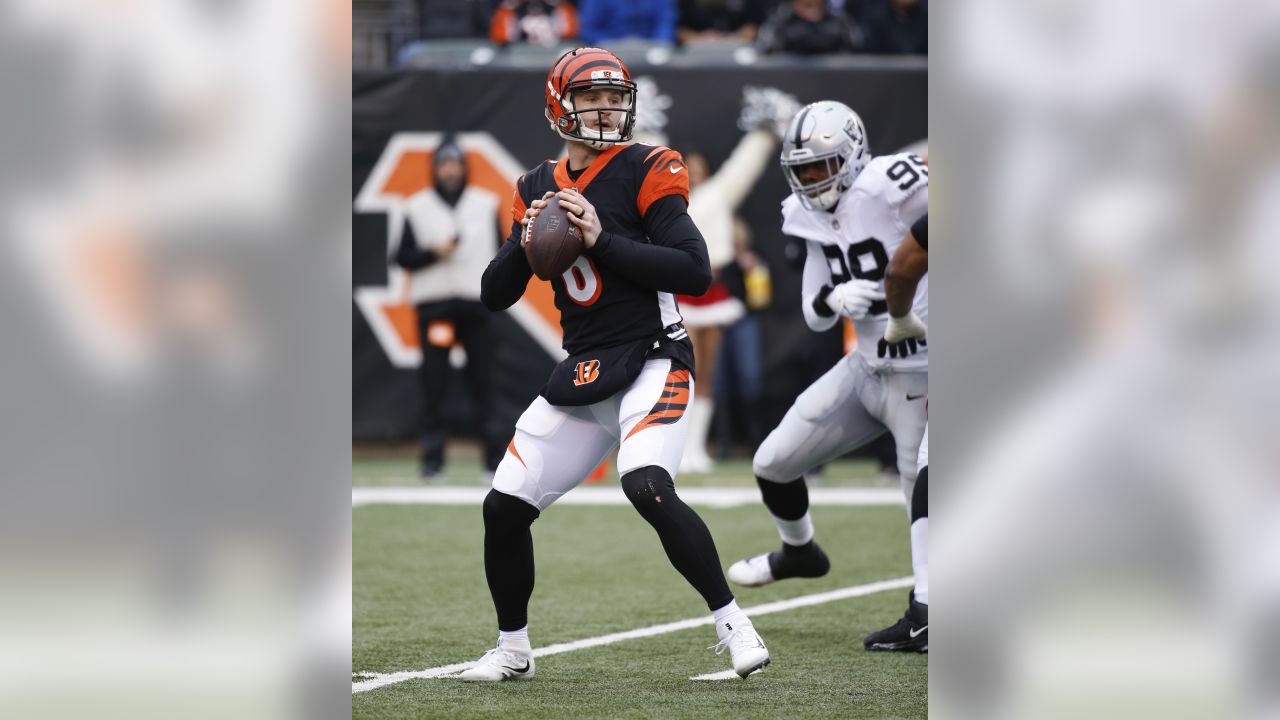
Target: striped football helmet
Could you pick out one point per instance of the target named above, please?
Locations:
(583, 69)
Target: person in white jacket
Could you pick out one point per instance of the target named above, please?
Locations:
(449, 237)
(713, 198)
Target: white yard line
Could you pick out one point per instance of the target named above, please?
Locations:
(715, 497)
(377, 680)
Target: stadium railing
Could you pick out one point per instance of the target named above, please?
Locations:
(469, 54)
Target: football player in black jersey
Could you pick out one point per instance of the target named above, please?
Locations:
(909, 264)
(629, 375)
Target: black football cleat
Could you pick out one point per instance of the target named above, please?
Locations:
(909, 634)
(805, 561)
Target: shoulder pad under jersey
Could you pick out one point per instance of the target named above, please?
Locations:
(893, 178)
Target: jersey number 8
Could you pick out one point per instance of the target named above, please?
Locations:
(582, 281)
(842, 271)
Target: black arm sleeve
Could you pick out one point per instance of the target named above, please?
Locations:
(408, 255)
(820, 305)
(507, 276)
(920, 231)
(674, 261)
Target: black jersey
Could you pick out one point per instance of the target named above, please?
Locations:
(622, 289)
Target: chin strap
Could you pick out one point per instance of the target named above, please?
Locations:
(593, 144)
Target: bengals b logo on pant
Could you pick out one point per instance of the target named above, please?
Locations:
(588, 371)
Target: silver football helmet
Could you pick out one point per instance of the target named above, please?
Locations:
(827, 136)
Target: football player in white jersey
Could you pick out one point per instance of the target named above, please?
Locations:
(852, 211)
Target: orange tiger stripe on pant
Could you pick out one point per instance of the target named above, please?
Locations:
(511, 448)
(671, 404)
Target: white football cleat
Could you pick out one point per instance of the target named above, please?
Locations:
(752, 572)
(510, 660)
(745, 647)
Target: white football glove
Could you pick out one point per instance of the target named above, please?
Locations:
(852, 299)
(902, 328)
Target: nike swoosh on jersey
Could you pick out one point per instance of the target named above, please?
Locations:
(676, 168)
(916, 633)
(911, 397)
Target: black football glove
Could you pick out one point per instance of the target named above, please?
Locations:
(903, 349)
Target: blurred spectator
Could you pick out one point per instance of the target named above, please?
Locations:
(451, 233)
(719, 20)
(808, 27)
(452, 18)
(713, 198)
(740, 367)
(537, 22)
(893, 27)
(605, 20)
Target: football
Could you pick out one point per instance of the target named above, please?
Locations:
(554, 242)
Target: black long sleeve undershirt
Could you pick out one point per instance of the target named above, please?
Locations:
(507, 276)
(675, 260)
(920, 230)
(820, 305)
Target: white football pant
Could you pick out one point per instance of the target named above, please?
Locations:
(555, 447)
(849, 406)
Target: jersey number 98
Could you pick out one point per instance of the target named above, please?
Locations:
(867, 261)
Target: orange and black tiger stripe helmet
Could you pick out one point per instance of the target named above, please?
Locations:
(583, 68)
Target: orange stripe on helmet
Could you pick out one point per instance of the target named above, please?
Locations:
(567, 70)
(595, 52)
(582, 58)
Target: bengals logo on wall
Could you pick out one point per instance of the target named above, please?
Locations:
(403, 170)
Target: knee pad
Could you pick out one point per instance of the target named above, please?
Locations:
(765, 465)
(920, 495)
(646, 487)
(763, 460)
(503, 512)
(759, 467)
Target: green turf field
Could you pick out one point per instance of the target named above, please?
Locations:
(420, 601)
